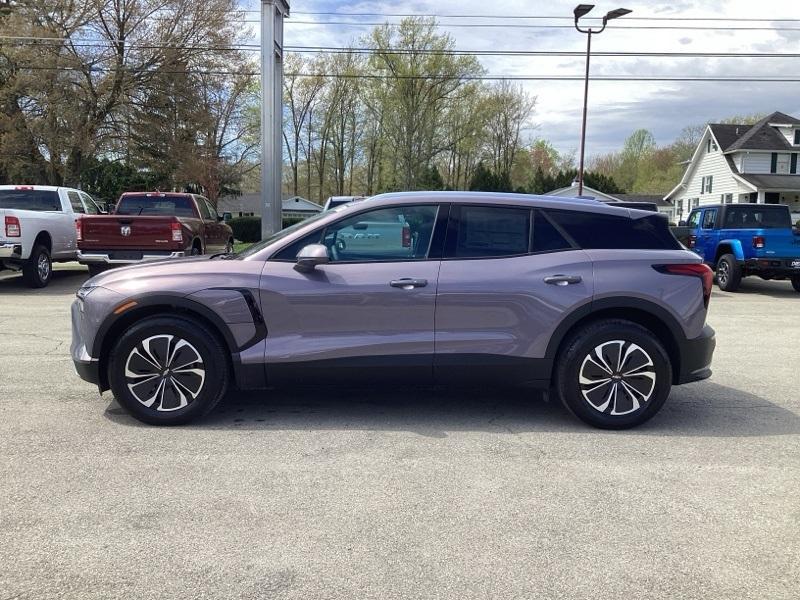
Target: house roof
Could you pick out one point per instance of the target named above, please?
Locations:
(656, 199)
(252, 203)
(726, 134)
(572, 192)
(772, 182)
(761, 136)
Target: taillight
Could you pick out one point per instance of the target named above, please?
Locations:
(759, 242)
(700, 270)
(177, 232)
(692, 241)
(78, 230)
(406, 236)
(12, 227)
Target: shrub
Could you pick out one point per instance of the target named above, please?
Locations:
(248, 229)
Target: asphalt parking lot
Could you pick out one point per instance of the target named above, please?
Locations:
(402, 493)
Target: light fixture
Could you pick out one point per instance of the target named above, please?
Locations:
(581, 10)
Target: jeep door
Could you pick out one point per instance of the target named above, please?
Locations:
(508, 278)
(369, 310)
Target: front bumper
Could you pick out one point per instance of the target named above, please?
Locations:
(696, 355)
(102, 257)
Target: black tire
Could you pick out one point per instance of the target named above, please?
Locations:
(95, 269)
(38, 269)
(196, 251)
(729, 273)
(596, 405)
(796, 284)
(229, 246)
(201, 343)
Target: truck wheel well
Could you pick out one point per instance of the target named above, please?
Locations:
(45, 240)
(120, 325)
(641, 317)
(197, 244)
(721, 250)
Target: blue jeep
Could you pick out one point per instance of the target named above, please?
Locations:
(738, 240)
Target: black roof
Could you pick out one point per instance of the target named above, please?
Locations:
(773, 182)
(759, 136)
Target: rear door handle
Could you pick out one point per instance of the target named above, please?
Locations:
(563, 279)
(407, 283)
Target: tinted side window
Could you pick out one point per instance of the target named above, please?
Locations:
(602, 231)
(290, 252)
(89, 204)
(487, 232)
(694, 219)
(75, 202)
(546, 238)
(709, 218)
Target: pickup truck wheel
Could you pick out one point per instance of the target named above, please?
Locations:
(796, 284)
(613, 374)
(168, 370)
(729, 273)
(38, 269)
(196, 251)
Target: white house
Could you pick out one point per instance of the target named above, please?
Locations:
(743, 163)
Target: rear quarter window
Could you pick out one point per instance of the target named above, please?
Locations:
(757, 217)
(602, 231)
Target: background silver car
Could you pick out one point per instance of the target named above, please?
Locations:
(598, 303)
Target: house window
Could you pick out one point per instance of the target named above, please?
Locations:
(782, 164)
(707, 184)
(797, 137)
(726, 198)
(711, 146)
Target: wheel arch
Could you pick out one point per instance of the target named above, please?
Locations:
(729, 247)
(642, 312)
(169, 306)
(44, 238)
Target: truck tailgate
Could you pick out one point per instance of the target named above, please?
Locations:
(128, 232)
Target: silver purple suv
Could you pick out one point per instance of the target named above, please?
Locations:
(599, 304)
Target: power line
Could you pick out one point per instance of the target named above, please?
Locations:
(787, 79)
(529, 26)
(26, 40)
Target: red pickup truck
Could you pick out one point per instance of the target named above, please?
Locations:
(147, 226)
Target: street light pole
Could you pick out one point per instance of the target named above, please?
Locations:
(579, 12)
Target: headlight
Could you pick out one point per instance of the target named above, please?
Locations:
(85, 291)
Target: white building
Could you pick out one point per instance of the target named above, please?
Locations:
(743, 163)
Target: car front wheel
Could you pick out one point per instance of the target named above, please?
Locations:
(168, 370)
(613, 374)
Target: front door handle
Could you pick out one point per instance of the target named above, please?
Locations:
(408, 283)
(563, 279)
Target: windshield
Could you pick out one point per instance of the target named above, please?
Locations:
(178, 206)
(757, 217)
(38, 200)
(258, 246)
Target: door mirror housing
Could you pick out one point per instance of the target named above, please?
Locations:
(310, 256)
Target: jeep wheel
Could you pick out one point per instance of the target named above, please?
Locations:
(168, 370)
(796, 284)
(38, 269)
(614, 374)
(729, 273)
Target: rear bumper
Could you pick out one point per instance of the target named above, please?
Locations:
(772, 267)
(102, 257)
(10, 250)
(696, 355)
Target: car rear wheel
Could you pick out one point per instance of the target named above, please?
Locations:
(729, 273)
(38, 269)
(614, 374)
(168, 370)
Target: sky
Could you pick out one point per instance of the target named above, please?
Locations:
(615, 108)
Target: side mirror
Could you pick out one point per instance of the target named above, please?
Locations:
(310, 256)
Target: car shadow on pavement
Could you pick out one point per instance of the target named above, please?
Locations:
(752, 286)
(63, 281)
(704, 409)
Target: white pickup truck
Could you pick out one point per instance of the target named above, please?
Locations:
(38, 228)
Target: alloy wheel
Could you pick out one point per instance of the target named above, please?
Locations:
(165, 372)
(617, 377)
(723, 272)
(43, 266)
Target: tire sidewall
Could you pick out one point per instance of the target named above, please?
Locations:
(32, 272)
(569, 371)
(734, 276)
(203, 340)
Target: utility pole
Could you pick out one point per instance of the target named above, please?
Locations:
(579, 12)
(273, 12)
